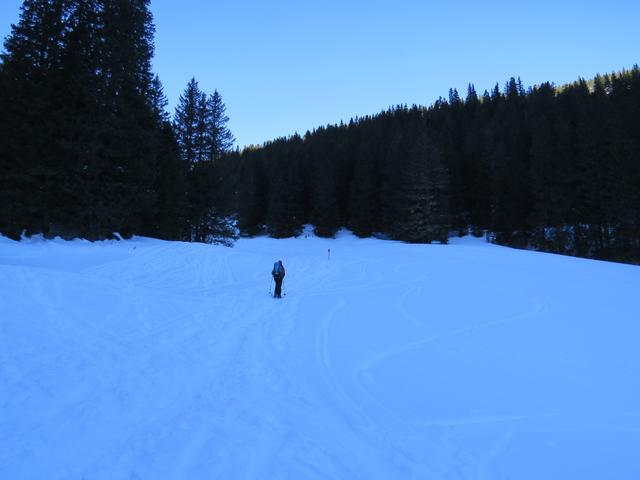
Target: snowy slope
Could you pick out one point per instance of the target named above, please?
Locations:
(146, 359)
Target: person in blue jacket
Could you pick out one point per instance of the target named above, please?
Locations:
(278, 275)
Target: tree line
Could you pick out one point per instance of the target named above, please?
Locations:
(87, 148)
(549, 168)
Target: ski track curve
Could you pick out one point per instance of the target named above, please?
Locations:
(203, 376)
(364, 369)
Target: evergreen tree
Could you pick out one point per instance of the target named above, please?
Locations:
(252, 195)
(202, 137)
(471, 102)
(285, 215)
(77, 74)
(207, 223)
(200, 124)
(550, 209)
(219, 137)
(159, 102)
(129, 133)
(364, 207)
(30, 66)
(172, 216)
(424, 199)
(476, 173)
(325, 212)
(391, 181)
(190, 124)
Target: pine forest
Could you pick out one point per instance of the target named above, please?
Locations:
(88, 149)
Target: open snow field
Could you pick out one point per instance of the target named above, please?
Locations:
(146, 359)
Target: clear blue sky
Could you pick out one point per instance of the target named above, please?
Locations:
(283, 66)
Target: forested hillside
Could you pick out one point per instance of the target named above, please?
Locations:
(556, 169)
(87, 149)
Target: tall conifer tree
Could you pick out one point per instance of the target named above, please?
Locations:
(78, 73)
(219, 137)
(190, 124)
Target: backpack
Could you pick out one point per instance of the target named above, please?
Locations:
(277, 269)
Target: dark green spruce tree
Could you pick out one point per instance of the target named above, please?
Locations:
(190, 124)
(284, 217)
(219, 138)
(364, 201)
(252, 192)
(325, 211)
(29, 76)
(171, 178)
(423, 207)
(202, 135)
(77, 75)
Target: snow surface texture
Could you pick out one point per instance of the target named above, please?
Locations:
(146, 359)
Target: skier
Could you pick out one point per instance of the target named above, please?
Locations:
(278, 276)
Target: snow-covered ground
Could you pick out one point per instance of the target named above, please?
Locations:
(146, 359)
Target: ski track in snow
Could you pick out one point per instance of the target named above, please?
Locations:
(146, 359)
